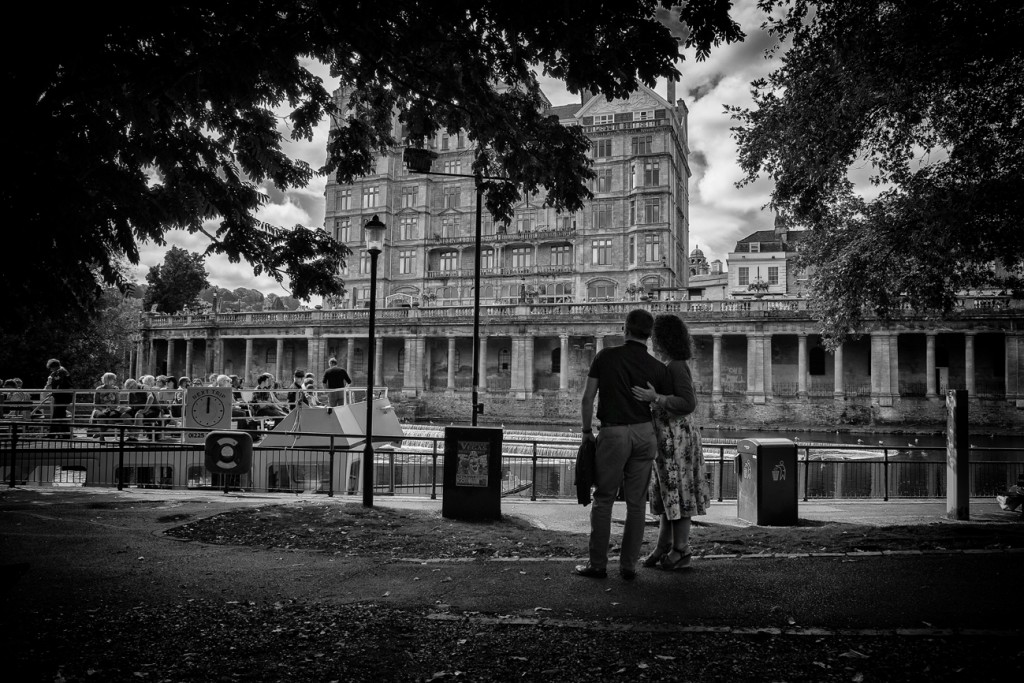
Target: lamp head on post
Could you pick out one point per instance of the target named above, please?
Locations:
(374, 230)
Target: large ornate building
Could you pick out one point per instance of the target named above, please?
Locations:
(555, 289)
(633, 234)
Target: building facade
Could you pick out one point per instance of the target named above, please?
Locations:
(555, 289)
(633, 234)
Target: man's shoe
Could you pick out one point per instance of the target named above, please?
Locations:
(1002, 502)
(627, 574)
(591, 572)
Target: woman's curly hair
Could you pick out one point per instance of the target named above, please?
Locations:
(672, 337)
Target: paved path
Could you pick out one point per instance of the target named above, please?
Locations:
(96, 547)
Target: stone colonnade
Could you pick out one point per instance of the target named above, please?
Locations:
(753, 361)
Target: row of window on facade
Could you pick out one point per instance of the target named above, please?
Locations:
(642, 211)
(551, 293)
(646, 173)
(644, 248)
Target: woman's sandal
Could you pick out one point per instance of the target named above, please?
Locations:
(655, 558)
(681, 561)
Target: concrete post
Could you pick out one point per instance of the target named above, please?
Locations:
(529, 365)
(151, 358)
(958, 449)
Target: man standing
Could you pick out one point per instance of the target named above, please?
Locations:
(59, 385)
(295, 391)
(335, 378)
(626, 444)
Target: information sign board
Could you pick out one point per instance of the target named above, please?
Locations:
(205, 408)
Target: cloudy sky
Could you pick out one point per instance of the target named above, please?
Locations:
(720, 214)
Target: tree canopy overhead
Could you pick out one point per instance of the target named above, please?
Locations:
(927, 95)
(154, 121)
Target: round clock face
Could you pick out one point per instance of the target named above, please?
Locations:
(207, 411)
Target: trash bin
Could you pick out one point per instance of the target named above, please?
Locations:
(472, 473)
(766, 479)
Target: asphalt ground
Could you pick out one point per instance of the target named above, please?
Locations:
(94, 590)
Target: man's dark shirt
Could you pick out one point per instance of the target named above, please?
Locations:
(293, 395)
(617, 370)
(60, 379)
(336, 378)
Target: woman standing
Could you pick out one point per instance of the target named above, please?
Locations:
(679, 488)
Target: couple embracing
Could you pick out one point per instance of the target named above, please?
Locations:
(644, 409)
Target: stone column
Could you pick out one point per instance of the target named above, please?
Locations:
(189, 353)
(881, 369)
(518, 363)
(969, 363)
(716, 365)
(894, 365)
(169, 370)
(350, 345)
(931, 388)
(247, 371)
(801, 365)
(218, 356)
(279, 360)
(451, 363)
(529, 365)
(1014, 374)
(378, 363)
(838, 383)
(151, 358)
(137, 369)
(766, 355)
(421, 352)
(755, 367)
(483, 363)
(563, 367)
(598, 343)
(413, 370)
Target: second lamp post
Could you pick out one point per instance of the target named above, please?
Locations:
(374, 231)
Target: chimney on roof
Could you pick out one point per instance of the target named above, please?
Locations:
(586, 95)
(670, 94)
(781, 228)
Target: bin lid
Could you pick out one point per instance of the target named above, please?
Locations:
(748, 445)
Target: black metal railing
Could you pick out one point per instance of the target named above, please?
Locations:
(531, 467)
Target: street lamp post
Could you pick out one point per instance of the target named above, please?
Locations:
(420, 161)
(374, 230)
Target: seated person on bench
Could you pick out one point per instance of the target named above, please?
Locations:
(1014, 496)
(106, 403)
(264, 402)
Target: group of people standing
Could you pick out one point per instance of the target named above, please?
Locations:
(644, 407)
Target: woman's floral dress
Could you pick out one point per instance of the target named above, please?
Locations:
(679, 487)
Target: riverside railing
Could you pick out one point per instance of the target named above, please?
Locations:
(531, 467)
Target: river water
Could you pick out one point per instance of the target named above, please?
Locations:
(900, 444)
